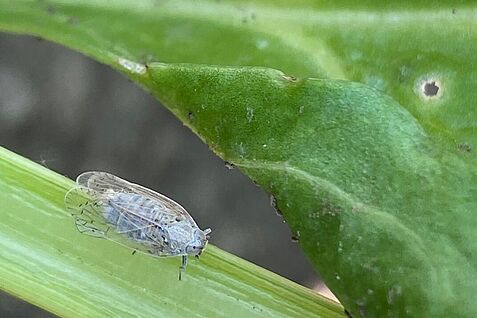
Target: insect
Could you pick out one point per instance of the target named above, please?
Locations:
(107, 206)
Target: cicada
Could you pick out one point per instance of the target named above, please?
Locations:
(106, 206)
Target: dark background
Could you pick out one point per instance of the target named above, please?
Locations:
(72, 114)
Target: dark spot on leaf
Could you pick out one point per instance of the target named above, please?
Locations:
(463, 147)
(229, 165)
(454, 11)
(73, 20)
(273, 204)
(50, 10)
(244, 20)
(191, 116)
(273, 201)
(296, 236)
(431, 89)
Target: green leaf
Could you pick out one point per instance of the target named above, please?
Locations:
(350, 170)
(46, 261)
(380, 190)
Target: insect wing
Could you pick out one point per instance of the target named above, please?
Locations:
(155, 213)
(137, 224)
(104, 182)
(87, 207)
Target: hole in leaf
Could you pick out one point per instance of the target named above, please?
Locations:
(431, 89)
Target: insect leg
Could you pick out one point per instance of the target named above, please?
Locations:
(86, 227)
(183, 266)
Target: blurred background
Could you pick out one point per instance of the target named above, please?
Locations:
(72, 114)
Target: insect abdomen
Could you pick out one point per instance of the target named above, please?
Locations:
(133, 215)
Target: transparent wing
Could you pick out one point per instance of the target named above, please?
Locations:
(145, 210)
(87, 208)
(139, 224)
(104, 182)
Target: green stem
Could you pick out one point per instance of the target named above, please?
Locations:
(44, 260)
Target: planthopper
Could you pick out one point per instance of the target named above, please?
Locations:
(107, 206)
